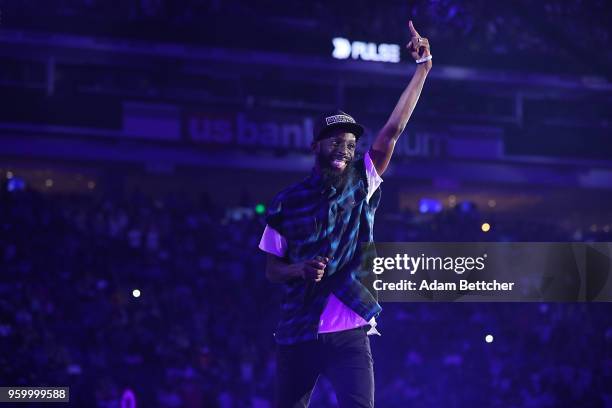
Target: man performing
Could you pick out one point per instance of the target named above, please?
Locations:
(312, 239)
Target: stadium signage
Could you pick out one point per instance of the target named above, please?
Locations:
(366, 51)
(238, 130)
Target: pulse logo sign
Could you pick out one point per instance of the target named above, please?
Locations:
(343, 49)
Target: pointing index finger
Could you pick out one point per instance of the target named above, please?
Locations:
(413, 32)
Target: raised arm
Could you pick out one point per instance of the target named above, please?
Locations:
(384, 143)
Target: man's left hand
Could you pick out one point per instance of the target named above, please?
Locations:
(418, 46)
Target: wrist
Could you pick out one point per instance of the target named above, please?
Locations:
(424, 59)
(296, 270)
(424, 62)
(424, 67)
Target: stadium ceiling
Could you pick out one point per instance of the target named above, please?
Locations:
(53, 48)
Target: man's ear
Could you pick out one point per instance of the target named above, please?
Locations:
(314, 146)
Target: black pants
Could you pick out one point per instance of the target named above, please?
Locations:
(344, 357)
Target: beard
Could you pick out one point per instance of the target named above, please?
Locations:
(332, 177)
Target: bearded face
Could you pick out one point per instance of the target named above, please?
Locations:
(334, 155)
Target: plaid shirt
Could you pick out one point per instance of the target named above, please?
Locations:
(319, 221)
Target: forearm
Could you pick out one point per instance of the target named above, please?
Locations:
(407, 102)
(278, 271)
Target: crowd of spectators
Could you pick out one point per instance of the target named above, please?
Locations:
(200, 332)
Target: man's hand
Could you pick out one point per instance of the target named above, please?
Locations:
(313, 269)
(418, 46)
(278, 270)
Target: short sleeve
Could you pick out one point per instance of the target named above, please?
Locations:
(374, 180)
(273, 242)
(274, 212)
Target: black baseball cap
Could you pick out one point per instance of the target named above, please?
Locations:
(336, 120)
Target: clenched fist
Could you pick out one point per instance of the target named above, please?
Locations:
(313, 269)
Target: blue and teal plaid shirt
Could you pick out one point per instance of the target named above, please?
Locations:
(319, 221)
